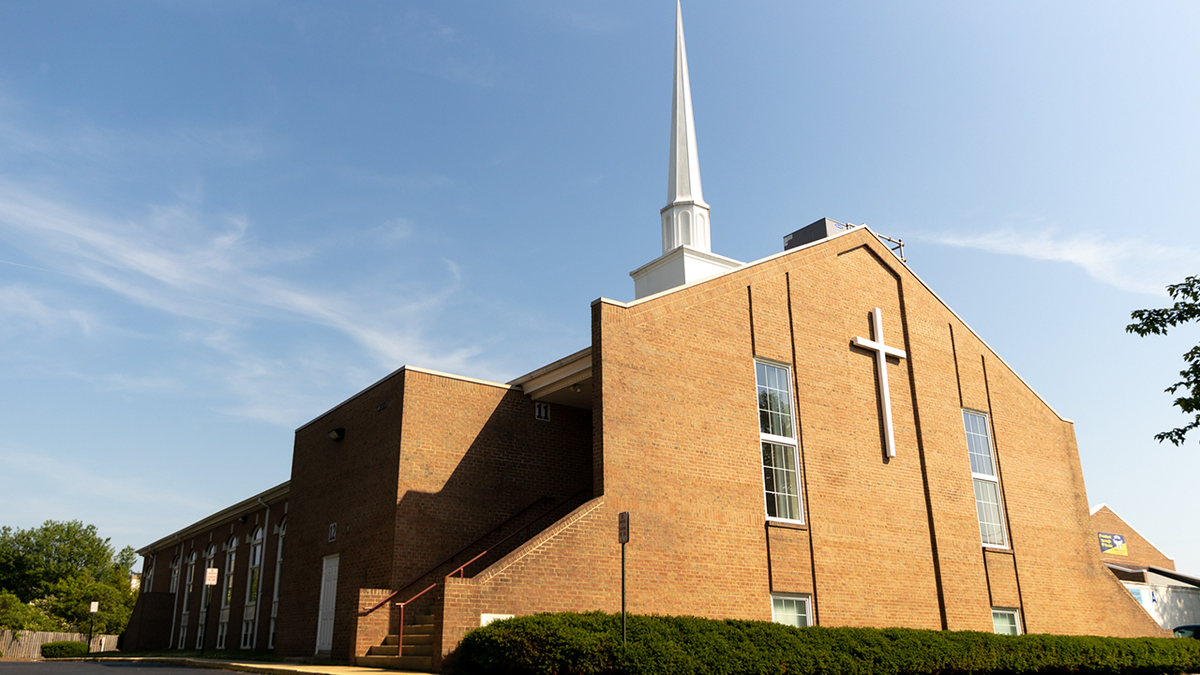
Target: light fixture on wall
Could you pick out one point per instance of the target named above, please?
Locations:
(338, 433)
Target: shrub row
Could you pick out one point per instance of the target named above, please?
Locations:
(590, 644)
(64, 649)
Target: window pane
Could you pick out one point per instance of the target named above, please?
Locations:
(781, 481)
(790, 611)
(987, 504)
(979, 445)
(1005, 623)
(774, 400)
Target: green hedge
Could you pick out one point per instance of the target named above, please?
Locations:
(64, 649)
(590, 644)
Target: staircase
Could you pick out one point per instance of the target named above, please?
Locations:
(413, 648)
(415, 654)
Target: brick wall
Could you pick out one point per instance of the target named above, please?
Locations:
(166, 617)
(443, 463)
(887, 541)
(351, 484)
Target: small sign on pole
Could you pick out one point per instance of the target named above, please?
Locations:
(92, 609)
(623, 539)
(210, 576)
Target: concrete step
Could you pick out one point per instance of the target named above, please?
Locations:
(384, 650)
(422, 663)
(418, 650)
(418, 629)
(391, 640)
(417, 638)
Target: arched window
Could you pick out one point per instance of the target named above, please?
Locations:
(147, 579)
(275, 593)
(188, 578)
(209, 554)
(253, 579)
(174, 574)
(227, 591)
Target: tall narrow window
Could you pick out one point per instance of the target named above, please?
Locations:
(777, 433)
(253, 577)
(986, 480)
(209, 554)
(230, 558)
(174, 574)
(188, 579)
(275, 593)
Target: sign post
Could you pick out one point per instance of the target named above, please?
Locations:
(623, 538)
(210, 580)
(95, 607)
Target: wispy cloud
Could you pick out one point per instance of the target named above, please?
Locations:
(1129, 264)
(19, 469)
(22, 307)
(184, 264)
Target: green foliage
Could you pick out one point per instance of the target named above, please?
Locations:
(1147, 321)
(64, 650)
(16, 615)
(33, 560)
(71, 598)
(590, 644)
(56, 571)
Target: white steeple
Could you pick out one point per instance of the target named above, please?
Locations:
(685, 217)
(687, 251)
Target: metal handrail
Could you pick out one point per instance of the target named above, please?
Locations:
(400, 637)
(454, 555)
(461, 570)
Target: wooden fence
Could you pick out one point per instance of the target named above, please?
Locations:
(25, 644)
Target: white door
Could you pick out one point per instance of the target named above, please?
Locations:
(329, 571)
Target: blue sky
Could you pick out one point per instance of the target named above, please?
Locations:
(220, 219)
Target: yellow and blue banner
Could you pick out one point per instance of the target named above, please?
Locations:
(1112, 544)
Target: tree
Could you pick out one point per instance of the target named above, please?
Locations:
(33, 560)
(1146, 321)
(50, 575)
(17, 615)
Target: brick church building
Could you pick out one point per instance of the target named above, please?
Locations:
(813, 438)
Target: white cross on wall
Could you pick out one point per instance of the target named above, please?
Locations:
(882, 351)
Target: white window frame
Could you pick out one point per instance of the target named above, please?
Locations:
(788, 442)
(210, 555)
(227, 585)
(254, 573)
(275, 592)
(992, 479)
(222, 632)
(247, 633)
(804, 599)
(1016, 615)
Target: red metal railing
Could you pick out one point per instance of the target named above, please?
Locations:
(461, 571)
(471, 545)
(400, 637)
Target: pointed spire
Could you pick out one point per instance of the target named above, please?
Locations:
(683, 184)
(687, 253)
(685, 217)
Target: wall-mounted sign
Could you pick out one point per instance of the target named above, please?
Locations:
(1112, 544)
(210, 576)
